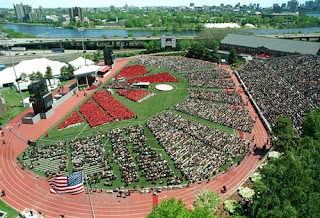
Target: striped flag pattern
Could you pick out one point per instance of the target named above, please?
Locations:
(70, 184)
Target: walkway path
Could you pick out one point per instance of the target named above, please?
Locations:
(24, 189)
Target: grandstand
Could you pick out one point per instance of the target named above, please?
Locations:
(176, 140)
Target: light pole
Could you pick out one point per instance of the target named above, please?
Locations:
(81, 29)
(7, 44)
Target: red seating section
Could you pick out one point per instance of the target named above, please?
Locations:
(132, 71)
(133, 94)
(94, 114)
(156, 78)
(114, 108)
(74, 118)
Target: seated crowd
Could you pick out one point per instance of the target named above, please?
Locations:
(93, 114)
(122, 156)
(114, 108)
(284, 87)
(175, 63)
(117, 85)
(211, 74)
(88, 154)
(227, 115)
(232, 98)
(136, 95)
(152, 165)
(49, 159)
(223, 84)
(199, 151)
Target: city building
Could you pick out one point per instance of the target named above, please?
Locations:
(293, 5)
(76, 14)
(25, 12)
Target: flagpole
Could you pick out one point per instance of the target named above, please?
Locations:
(92, 212)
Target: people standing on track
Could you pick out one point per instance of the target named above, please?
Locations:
(3, 193)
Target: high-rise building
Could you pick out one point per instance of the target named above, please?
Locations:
(76, 14)
(24, 12)
(276, 8)
(18, 8)
(293, 6)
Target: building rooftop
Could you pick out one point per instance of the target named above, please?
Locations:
(284, 45)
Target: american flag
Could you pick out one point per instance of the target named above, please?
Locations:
(70, 184)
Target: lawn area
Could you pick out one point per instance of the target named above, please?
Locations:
(9, 210)
(12, 99)
(145, 110)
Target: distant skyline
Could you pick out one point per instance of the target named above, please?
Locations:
(139, 3)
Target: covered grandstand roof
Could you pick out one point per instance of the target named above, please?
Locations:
(284, 45)
(28, 67)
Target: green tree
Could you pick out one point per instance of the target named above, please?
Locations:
(33, 76)
(169, 208)
(39, 75)
(155, 33)
(70, 71)
(290, 185)
(233, 59)
(283, 128)
(152, 46)
(201, 212)
(48, 74)
(311, 125)
(176, 209)
(199, 51)
(96, 57)
(130, 35)
(23, 76)
(207, 198)
(64, 73)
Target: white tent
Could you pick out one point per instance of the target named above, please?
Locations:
(28, 67)
(87, 70)
(221, 25)
(80, 62)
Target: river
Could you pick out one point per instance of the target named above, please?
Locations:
(52, 32)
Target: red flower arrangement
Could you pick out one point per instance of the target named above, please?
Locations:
(132, 71)
(156, 78)
(94, 114)
(73, 119)
(114, 108)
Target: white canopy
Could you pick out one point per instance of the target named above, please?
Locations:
(28, 67)
(87, 70)
(80, 62)
(221, 25)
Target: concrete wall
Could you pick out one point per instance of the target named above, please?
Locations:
(64, 98)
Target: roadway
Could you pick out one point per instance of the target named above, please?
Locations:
(67, 56)
(294, 36)
(39, 41)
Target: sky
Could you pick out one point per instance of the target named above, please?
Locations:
(139, 3)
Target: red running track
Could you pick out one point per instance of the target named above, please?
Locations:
(24, 189)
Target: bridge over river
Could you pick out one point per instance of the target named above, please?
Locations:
(89, 43)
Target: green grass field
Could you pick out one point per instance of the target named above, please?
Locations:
(11, 213)
(145, 110)
(12, 99)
